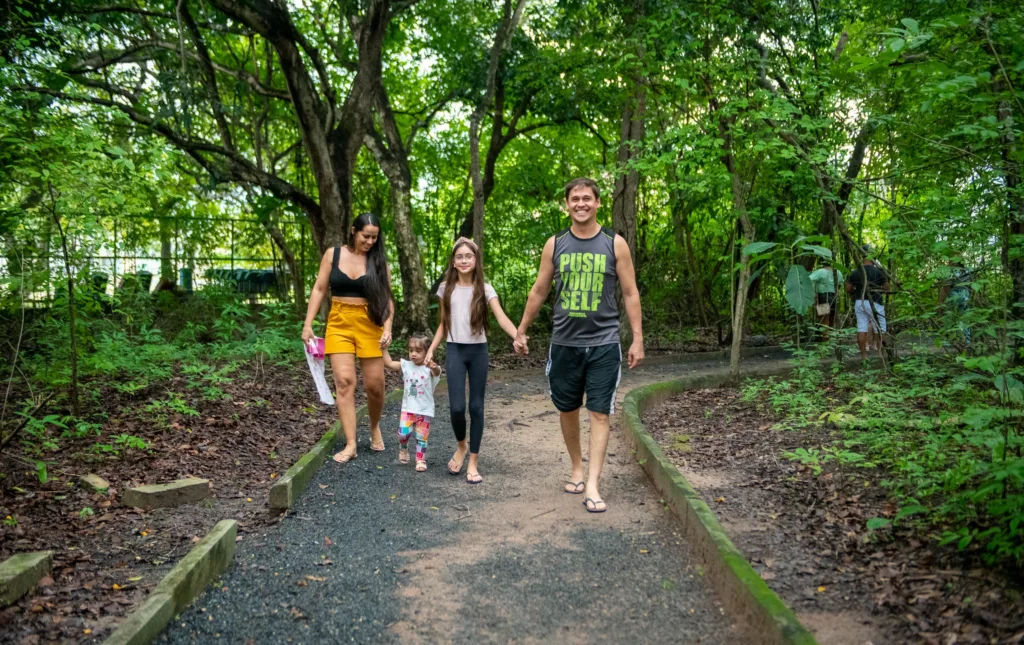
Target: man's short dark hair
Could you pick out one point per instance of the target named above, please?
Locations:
(585, 182)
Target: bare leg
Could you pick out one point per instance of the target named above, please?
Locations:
(344, 368)
(373, 384)
(862, 343)
(599, 430)
(571, 434)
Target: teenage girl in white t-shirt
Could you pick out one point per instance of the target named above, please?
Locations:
(464, 299)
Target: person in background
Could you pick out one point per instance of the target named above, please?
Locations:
(867, 285)
(955, 293)
(824, 279)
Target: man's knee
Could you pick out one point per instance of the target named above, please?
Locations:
(598, 417)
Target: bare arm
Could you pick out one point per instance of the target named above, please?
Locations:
(507, 325)
(390, 363)
(438, 337)
(538, 293)
(631, 297)
(385, 338)
(316, 296)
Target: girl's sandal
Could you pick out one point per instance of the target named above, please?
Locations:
(421, 466)
(403, 456)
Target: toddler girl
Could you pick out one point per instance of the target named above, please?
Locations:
(421, 376)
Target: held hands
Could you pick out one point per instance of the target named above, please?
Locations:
(636, 353)
(521, 343)
(385, 339)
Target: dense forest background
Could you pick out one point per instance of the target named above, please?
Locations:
(171, 172)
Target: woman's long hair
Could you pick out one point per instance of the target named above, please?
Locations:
(478, 306)
(378, 287)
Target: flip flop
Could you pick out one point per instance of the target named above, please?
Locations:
(457, 470)
(595, 503)
(342, 458)
(478, 480)
(578, 487)
(373, 446)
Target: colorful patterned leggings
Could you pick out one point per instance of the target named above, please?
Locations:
(421, 425)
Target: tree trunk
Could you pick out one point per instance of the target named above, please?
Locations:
(739, 313)
(627, 183)
(509, 20)
(414, 293)
(73, 328)
(289, 261)
(1013, 229)
(166, 261)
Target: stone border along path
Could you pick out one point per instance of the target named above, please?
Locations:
(766, 617)
(375, 552)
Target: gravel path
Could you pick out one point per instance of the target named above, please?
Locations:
(375, 552)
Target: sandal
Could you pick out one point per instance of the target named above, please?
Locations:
(378, 446)
(343, 458)
(588, 503)
(453, 468)
(421, 466)
(403, 456)
(474, 479)
(577, 487)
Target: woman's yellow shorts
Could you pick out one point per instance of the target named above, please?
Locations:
(350, 331)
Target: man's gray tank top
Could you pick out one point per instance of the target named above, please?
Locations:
(586, 314)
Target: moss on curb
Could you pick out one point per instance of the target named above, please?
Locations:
(287, 489)
(761, 613)
(203, 564)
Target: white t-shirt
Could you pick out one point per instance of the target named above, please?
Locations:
(418, 397)
(461, 330)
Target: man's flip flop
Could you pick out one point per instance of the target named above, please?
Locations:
(596, 509)
(342, 458)
(470, 479)
(577, 487)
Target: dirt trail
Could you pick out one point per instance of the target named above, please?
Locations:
(427, 558)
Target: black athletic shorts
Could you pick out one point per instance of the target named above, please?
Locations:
(828, 298)
(575, 371)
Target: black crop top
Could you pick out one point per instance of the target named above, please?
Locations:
(343, 286)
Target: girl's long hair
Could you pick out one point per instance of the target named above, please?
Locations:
(378, 287)
(478, 306)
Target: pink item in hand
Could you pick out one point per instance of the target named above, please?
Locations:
(315, 346)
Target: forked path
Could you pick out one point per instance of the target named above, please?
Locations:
(375, 552)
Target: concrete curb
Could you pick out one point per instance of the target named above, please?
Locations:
(287, 489)
(203, 564)
(766, 619)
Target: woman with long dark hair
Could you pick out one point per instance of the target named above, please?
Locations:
(465, 298)
(359, 324)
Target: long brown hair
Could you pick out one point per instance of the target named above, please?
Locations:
(478, 306)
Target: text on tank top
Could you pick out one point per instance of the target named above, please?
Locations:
(586, 314)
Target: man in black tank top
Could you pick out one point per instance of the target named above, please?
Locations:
(585, 261)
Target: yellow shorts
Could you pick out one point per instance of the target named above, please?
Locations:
(350, 331)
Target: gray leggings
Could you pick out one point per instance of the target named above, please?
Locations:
(462, 359)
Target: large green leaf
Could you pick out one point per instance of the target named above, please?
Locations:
(820, 251)
(758, 247)
(799, 289)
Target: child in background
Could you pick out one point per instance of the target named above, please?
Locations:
(420, 376)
